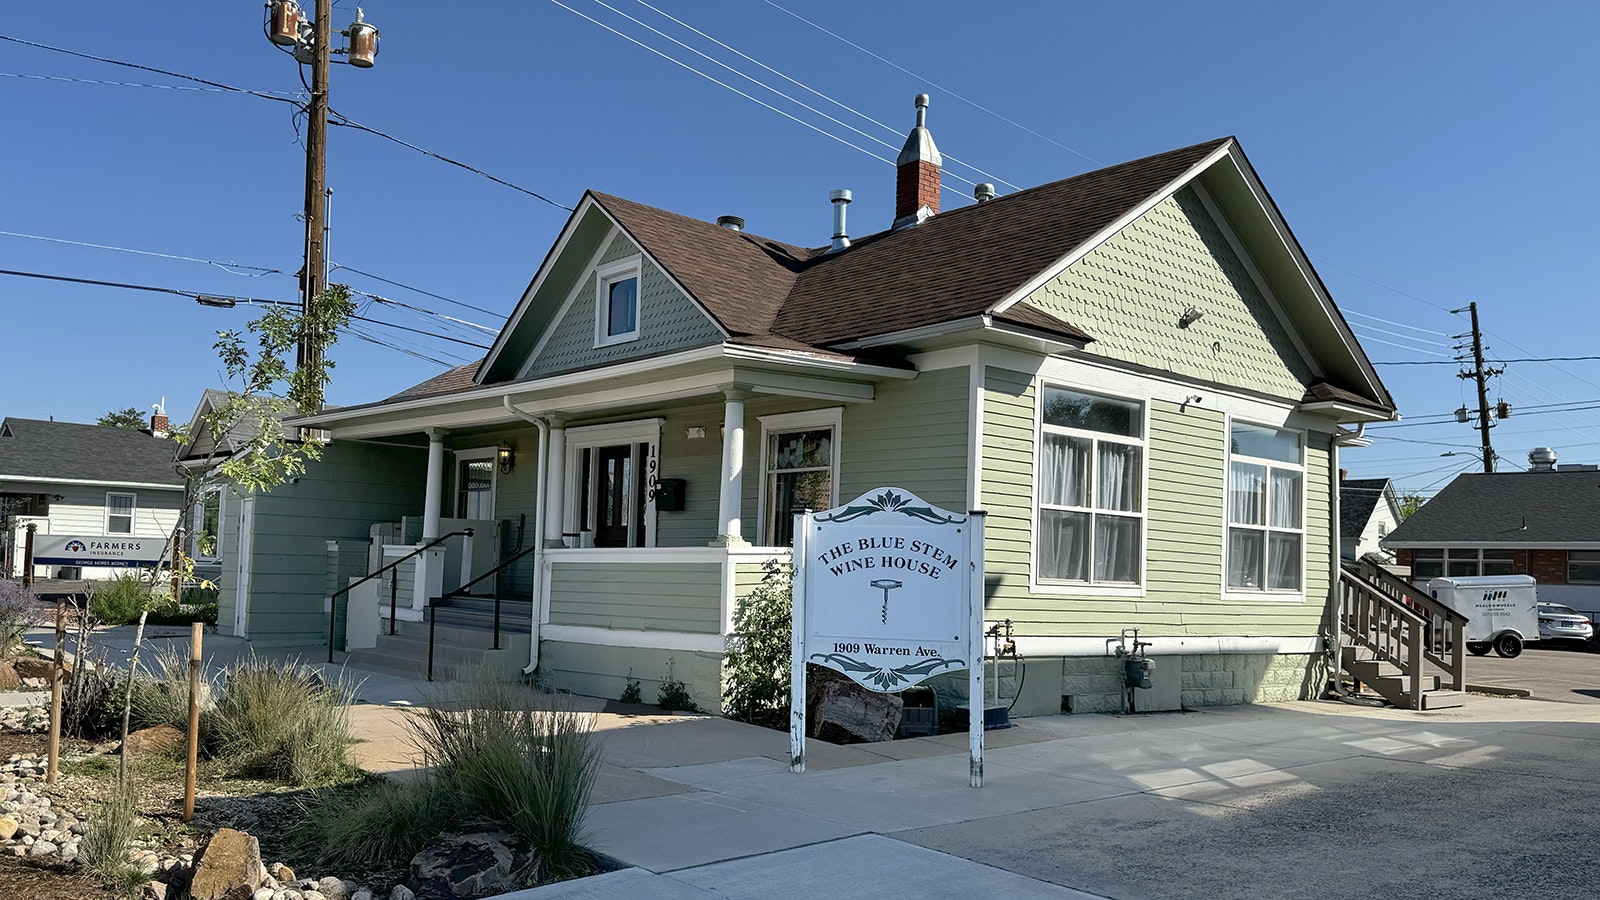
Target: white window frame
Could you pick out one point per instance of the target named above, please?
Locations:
(604, 277)
(1475, 555)
(1038, 584)
(809, 420)
(133, 511)
(593, 437)
(1230, 592)
(476, 454)
(198, 523)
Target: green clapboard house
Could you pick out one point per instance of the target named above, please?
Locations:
(1136, 373)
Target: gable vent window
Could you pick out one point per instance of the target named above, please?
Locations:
(617, 302)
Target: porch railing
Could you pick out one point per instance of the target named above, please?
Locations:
(394, 589)
(1400, 626)
(1446, 632)
(465, 591)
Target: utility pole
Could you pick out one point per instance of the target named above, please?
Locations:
(312, 45)
(1481, 375)
(313, 277)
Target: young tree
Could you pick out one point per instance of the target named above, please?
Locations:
(123, 418)
(1409, 504)
(265, 390)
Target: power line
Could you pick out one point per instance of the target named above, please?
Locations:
(226, 267)
(1363, 315)
(1521, 359)
(1320, 261)
(932, 83)
(138, 84)
(796, 83)
(398, 284)
(265, 95)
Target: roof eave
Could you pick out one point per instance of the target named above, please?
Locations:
(1345, 413)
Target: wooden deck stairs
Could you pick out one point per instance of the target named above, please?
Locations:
(1397, 641)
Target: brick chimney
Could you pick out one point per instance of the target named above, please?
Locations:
(916, 183)
(159, 426)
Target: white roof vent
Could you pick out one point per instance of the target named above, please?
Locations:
(1541, 459)
(732, 223)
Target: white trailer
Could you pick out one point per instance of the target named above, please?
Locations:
(1502, 610)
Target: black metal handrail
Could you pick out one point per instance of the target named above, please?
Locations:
(394, 586)
(462, 591)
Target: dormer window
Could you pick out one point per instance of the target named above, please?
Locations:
(616, 302)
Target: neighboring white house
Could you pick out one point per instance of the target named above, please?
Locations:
(87, 481)
(1368, 512)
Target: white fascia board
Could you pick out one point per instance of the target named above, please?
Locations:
(1038, 646)
(89, 482)
(1345, 412)
(984, 326)
(571, 228)
(1105, 234)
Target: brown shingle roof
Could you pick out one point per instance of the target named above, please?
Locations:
(449, 382)
(1323, 392)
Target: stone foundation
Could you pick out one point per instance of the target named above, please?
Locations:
(598, 670)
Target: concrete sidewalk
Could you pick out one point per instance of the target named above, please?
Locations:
(1286, 800)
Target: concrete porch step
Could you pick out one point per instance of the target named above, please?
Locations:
(1439, 699)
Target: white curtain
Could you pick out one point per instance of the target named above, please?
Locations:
(1283, 562)
(1117, 478)
(1064, 469)
(1063, 545)
(1116, 549)
(1246, 492)
(1285, 499)
(1244, 558)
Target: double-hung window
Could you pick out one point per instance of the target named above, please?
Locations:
(205, 538)
(616, 302)
(799, 462)
(119, 512)
(1266, 509)
(1090, 479)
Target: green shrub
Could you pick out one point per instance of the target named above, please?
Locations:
(104, 851)
(119, 600)
(194, 604)
(91, 703)
(376, 825)
(630, 690)
(674, 694)
(280, 721)
(521, 758)
(756, 666)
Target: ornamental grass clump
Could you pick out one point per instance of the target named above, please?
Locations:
(280, 720)
(104, 851)
(161, 696)
(519, 757)
(375, 825)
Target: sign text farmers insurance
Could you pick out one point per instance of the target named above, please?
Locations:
(109, 551)
(886, 584)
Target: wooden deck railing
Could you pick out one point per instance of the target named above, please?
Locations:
(1445, 640)
(1400, 625)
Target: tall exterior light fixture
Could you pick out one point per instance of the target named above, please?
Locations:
(506, 457)
(309, 43)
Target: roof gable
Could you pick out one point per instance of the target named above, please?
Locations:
(1358, 499)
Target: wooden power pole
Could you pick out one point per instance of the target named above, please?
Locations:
(313, 278)
(1481, 375)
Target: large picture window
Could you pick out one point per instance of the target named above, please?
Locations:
(1266, 509)
(1090, 479)
(799, 462)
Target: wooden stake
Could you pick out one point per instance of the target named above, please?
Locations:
(54, 757)
(193, 763)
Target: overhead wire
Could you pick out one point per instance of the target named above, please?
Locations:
(802, 85)
(932, 83)
(414, 289)
(138, 84)
(265, 95)
(226, 267)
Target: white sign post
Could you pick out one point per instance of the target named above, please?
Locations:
(888, 590)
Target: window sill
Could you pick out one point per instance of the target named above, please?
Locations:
(615, 339)
(1248, 596)
(1083, 589)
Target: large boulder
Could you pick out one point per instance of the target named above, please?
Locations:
(468, 866)
(156, 739)
(228, 867)
(33, 667)
(843, 712)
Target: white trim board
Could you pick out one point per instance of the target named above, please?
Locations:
(647, 640)
(1036, 646)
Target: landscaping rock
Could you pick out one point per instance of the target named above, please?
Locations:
(469, 866)
(842, 711)
(228, 867)
(32, 667)
(333, 889)
(283, 873)
(155, 890)
(401, 892)
(159, 739)
(8, 827)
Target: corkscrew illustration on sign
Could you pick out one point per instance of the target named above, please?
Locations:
(886, 583)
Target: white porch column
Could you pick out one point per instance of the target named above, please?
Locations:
(555, 496)
(729, 531)
(435, 486)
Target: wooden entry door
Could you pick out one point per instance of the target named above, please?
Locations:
(613, 491)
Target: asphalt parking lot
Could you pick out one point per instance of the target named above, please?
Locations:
(1559, 671)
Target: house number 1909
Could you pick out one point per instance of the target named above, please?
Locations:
(840, 647)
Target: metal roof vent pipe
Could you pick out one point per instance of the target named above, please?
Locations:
(732, 223)
(1541, 459)
(841, 237)
(983, 192)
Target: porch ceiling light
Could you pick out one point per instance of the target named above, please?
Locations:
(506, 457)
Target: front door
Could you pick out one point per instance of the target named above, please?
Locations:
(613, 495)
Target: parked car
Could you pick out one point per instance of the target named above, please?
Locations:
(1563, 623)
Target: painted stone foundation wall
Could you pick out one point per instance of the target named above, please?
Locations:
(596, 670)
(1048, 686)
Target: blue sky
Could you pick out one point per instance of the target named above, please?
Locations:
(1426, 155)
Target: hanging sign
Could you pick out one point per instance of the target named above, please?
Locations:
(109, 551)
(887, 591)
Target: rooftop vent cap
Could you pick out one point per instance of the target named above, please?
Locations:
(1541, 459)
(841, 237)
(983, 192)
(732, 223)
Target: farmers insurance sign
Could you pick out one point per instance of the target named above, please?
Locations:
(110, 551)
(888, 591)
